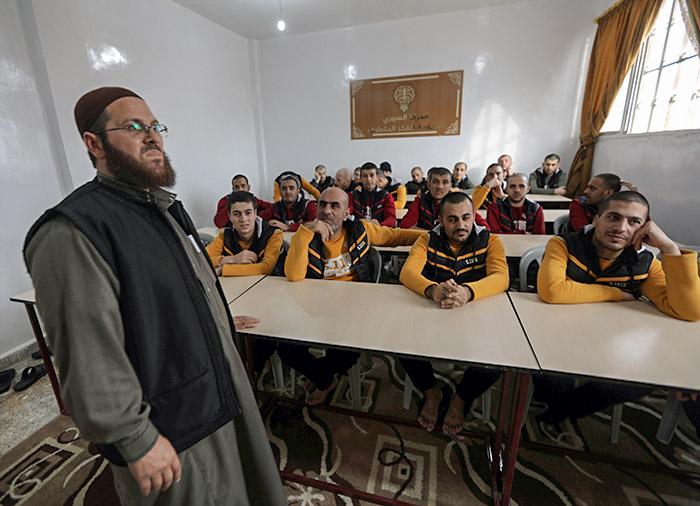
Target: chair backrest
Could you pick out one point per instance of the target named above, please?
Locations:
(532, 255)
(376, 260)
(561, 224)
(205, 237)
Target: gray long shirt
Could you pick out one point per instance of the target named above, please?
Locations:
(78, 298)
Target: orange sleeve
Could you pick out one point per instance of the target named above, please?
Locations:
(497, 278)
(555, 287)
(479, 196)
(400, 201)
(412, 272)
(379, 235)
(297, 261)
(673, 285)
(264, 266)
(215, 249)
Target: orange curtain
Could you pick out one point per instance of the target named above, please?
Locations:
(694, 14)
(621, 31)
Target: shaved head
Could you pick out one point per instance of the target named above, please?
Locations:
(335, 194)
(343, 178)
(333, 207)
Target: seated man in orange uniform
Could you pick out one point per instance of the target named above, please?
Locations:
(607, 261)
(333, 247)
(394, 188)
(370, 202)
(251, 246)
(456, 263)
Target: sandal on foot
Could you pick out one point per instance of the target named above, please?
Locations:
(30, 376)
(5, 379)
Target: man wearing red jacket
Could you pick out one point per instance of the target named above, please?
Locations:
(515, 214)
(294, 209)
(370, 202)
(238, 183)
(584, 208)
(424, 212)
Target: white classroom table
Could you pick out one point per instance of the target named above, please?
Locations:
(326, 312)
(627, 341)
(235, 286)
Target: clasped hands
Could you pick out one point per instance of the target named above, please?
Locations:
(449, 294)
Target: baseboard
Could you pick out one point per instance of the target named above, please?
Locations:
(17, 355)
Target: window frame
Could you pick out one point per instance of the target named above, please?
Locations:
(636, 74)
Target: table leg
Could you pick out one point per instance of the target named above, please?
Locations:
(503, 406)
(46, 356)
(521, 395)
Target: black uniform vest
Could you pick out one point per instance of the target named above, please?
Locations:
(553, 180)
(469, 264)
(506, 215)
(393, 189)
(427, 213)
(627, 272)
(170, 335)
(261, 235)
(279, 211)
(358, 247)
(361, 200)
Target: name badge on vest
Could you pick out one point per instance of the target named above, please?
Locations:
(520, 225)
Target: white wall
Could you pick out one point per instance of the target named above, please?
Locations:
(194, 74)
(29, 179)
(524, 66)
(664, 166)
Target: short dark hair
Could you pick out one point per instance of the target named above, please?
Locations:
(438, 171)
(239, 176)
(241, 196)
(98, 126)
(494, 165)
(518, 174)
(552, 156)
(629, 196)
(368, 166)
(610, 181)
(454, 198)
(385, 166)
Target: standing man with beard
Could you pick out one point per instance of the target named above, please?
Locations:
(142, 337)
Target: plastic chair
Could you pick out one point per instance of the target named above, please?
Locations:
(561, 225)
(532, 255)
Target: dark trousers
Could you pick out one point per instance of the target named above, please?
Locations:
(262, 351)
(319, 370)
(692, 410)
(566, 401)
(476, 380)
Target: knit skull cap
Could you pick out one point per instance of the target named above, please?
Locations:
(385, 166)
(89, 107)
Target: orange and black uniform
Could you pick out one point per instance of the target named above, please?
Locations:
(572, 273)
(397, 192)
(266, 242)
(342, 258)
(376, 204)
(480, 264)
(425, 211)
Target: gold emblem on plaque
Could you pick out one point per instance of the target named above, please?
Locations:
(404, 95)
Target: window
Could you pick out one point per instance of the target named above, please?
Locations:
(662, 90)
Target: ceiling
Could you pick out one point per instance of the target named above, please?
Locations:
(257, 19)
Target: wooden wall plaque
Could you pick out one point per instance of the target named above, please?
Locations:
(406, 106)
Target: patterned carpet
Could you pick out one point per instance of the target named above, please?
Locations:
(53, 467)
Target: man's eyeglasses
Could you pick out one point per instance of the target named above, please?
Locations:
(135, 128)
